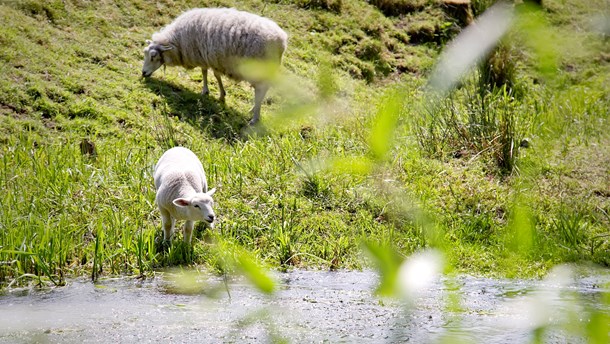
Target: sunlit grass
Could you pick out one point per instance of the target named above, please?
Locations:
(338, 161)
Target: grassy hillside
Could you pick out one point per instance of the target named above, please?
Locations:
(70, 76)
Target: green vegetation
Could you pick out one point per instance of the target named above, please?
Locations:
(508, 179)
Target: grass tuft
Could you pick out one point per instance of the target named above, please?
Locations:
(80, 132)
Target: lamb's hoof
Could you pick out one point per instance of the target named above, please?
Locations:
(250, 131)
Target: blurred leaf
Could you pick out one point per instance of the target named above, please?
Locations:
(185, 282)
(470, 46)
(234, 257)
(388, 262)
(292, 113)
(382, 133)
(598, 327)
(258, 70)
(254, 273)
(540, 37)
(435, 234)
(353, 165)
(521, 230)
(326, 81)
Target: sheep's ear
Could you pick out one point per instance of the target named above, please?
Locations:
(181, 202)
(211, 192)
(166, 47)
(148, 41)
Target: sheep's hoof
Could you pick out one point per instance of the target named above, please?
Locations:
(255, 119)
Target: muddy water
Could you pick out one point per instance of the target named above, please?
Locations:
(308, 307)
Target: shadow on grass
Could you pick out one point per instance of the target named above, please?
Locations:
(203, 112)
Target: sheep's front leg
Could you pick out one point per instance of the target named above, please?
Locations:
(206, 90)
(220, 87)
(168, 224)
(259, 94)
(188, 231)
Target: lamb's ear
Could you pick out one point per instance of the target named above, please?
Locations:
(211, 192)
(148, 41)
(181, 202)
(166, 47)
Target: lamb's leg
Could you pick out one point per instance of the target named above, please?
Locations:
(220, 87)
(206, 90)
(168, 224)
(188, 231)
(259, 94)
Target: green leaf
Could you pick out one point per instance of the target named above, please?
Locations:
(352, 165)
(254, 273)
(388, 262)
(521, 229)
(382, 133)
(326, 80)
(540, 37)
(598, 327)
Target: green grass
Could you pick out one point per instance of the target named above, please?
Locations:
(69, 70)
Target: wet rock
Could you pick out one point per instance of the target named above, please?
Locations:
(525, 143)
(87, 148)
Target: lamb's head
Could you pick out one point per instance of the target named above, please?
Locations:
(153, 57)
(198, 207)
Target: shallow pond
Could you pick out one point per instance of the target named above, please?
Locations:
(308, 307)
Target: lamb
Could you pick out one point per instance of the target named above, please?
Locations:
(220, 39)
(182, 192)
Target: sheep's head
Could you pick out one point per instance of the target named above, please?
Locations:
(153, 57)
(199, 207)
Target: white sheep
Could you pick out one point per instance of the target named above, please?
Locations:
(220, 39)
(182, 191)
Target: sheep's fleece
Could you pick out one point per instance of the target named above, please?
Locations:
(219, 39)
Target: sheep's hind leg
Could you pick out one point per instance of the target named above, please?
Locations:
(206, 90)
(168, 224)
(188, 231)
(259, 94)
(220, 87)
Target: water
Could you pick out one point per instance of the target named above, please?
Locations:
(308, 307)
